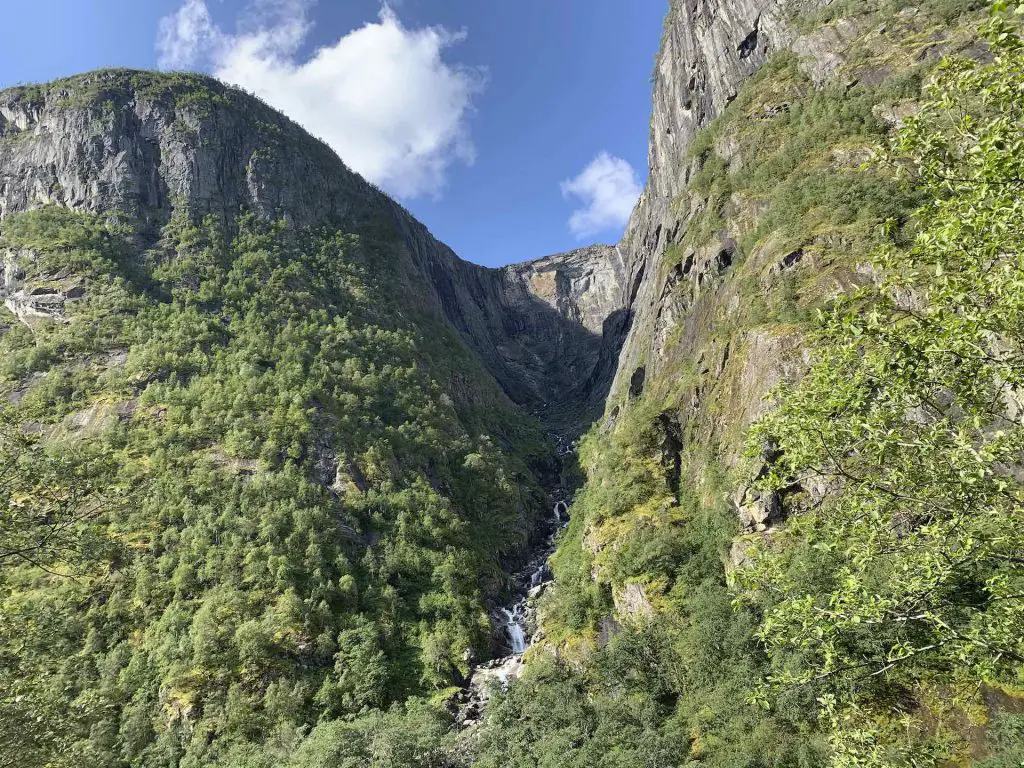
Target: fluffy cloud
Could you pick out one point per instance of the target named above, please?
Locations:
(382, 96)
(608, 189)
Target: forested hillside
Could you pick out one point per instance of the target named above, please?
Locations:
(272, 468)
(769, 569)
(252, 480)
(269, 508)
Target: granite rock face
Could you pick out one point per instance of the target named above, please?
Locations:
(121, 141)
(549, 330)
(723, 267)
(709, 49)
(146, 147)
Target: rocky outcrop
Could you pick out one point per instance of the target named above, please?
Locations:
(741, 232)
(709, 49)
(146, 147)
(583, 285)
(39, 300)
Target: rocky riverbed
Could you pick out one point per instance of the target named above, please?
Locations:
(517, 620)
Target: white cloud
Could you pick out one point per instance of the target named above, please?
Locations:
(184, 35)
(608, 188)
(382, 96)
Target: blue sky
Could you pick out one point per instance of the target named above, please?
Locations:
(512, 129)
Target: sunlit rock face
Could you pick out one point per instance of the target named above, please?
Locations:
(146, 147)
(709, 49)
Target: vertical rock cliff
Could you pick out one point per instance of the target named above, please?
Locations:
(150, 147)
(709, 49)
(758, 210)
(754, 199)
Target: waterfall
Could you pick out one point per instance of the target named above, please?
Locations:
(538, 577)
(514, 628)
(527, 586)
(561, 510)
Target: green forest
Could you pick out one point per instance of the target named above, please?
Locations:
(259, 500)
(268, 513)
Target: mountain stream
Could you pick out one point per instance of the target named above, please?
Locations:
(517, 620)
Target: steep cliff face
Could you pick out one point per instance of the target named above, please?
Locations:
(760, 207)
(719, 239)
(709, 49)
(549, 330)
(150, 147)
(758, 210)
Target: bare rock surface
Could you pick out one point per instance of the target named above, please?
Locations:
(143, 147)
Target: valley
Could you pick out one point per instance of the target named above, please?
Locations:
(289, 483)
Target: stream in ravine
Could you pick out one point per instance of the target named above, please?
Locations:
(517, 619)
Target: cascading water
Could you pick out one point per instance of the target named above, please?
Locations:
(539, 576)
(561, 512)
(531, 583)
(515, 628)
(517, 621)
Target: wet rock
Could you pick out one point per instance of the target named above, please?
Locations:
(348, 479)
(486, 679)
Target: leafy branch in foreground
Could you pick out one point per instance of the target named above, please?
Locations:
(905, 591)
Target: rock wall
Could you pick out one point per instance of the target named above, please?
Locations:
(709, 49)
(150, 146)
(723, 270)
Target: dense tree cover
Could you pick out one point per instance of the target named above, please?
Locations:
(900, 600)
(48, 499)
(883, 627)
(668, 689)
(265, 487)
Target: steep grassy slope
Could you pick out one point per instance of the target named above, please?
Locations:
(745, 230)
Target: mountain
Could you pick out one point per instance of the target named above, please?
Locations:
(696, 617)
(275, 457)
(149, 145)
(302, 419)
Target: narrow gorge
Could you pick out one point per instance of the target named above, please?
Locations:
(334, 496)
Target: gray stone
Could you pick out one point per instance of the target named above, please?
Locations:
(631, 601)
(125, 144)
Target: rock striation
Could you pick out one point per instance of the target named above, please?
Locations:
(147, 147)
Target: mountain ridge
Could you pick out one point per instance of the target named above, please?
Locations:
(147, 144)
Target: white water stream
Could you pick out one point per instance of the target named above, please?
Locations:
(516, 620)
(516, 616)
(515, 628)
